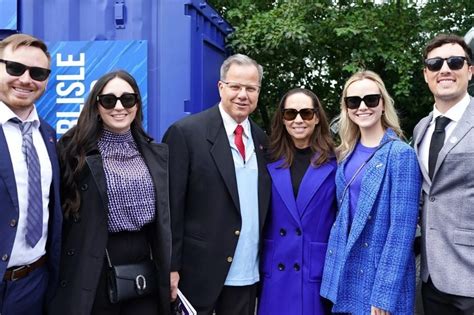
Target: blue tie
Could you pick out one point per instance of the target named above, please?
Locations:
(34, 219)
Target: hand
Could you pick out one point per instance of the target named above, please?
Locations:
(174, 280)
(377, 311)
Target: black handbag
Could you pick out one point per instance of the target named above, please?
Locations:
(126, 282)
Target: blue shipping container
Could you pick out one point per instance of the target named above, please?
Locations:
(174, 48)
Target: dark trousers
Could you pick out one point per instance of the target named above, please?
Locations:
(124, 248)
(25, 296)
(436, 302)
(234, 300)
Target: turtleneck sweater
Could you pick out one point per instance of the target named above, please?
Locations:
(130, 189)
(301, 161)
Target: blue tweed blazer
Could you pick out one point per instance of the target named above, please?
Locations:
(372, 262)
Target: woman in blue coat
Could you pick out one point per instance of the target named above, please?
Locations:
(303, 207)
(370, 264)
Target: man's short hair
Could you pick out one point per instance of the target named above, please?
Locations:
(442, 39)
(18, 40)
(241, 60)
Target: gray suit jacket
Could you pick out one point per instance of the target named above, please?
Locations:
(448, 209)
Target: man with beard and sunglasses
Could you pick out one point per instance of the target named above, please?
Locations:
(444, 142)
(30, 216)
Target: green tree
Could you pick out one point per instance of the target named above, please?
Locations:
(319, 44)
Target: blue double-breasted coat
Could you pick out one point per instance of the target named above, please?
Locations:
(295, 240)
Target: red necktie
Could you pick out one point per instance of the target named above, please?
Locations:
(239, 130)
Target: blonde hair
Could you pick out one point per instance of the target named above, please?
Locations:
(349, 132)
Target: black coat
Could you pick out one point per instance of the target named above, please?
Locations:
(205, 210)
(85, 238)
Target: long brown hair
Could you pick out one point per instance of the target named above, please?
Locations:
(82, 139)
(281, 143)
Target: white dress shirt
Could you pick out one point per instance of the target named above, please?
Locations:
(454, 113)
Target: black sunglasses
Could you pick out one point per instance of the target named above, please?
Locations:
(436, 63)
(108, 101)
(17, 69)
(371, 100)
(291, 113)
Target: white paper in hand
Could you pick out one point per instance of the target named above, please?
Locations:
(184, 307)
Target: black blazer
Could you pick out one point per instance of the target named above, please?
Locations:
(205, 210)
(85, 238)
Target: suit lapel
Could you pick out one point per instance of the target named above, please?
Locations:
(424, 124)
(221, 153)
(97, 170)
(281, 180)
(264, 183)
(465, 124)
(6, 170)
(49, 139)
(311, 182)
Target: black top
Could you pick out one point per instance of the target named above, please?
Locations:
(301, 161)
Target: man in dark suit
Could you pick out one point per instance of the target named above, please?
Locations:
(30, 214)
(444, 143)
(219, 196)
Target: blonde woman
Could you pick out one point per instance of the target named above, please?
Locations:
(370, 264)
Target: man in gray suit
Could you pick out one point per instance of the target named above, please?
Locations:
(444, 142)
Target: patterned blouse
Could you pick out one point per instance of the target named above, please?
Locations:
(130, 188)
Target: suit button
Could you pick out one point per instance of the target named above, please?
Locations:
(236, 232)
(432, 199)
(84, 187)
(5, 257)
(296, 267)
(229, 259)
(281, 267)
(63, 283)
(366, 244)
(282, 232)
(369, 217)
(13, 223)
(298, 232)
(70, 252)
(330, 252)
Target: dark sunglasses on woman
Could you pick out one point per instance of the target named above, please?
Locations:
(371, 100)
(291, 113)
(17, 69)
(436, 63)
(108, 101)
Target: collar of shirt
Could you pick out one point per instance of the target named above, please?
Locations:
(454, 113)
(6, 114)
(230, 124)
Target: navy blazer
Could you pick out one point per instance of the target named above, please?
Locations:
(9, 211)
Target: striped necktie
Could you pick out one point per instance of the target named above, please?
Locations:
(34, 218)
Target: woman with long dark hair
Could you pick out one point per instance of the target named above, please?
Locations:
(303, 207)
(116, 232)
